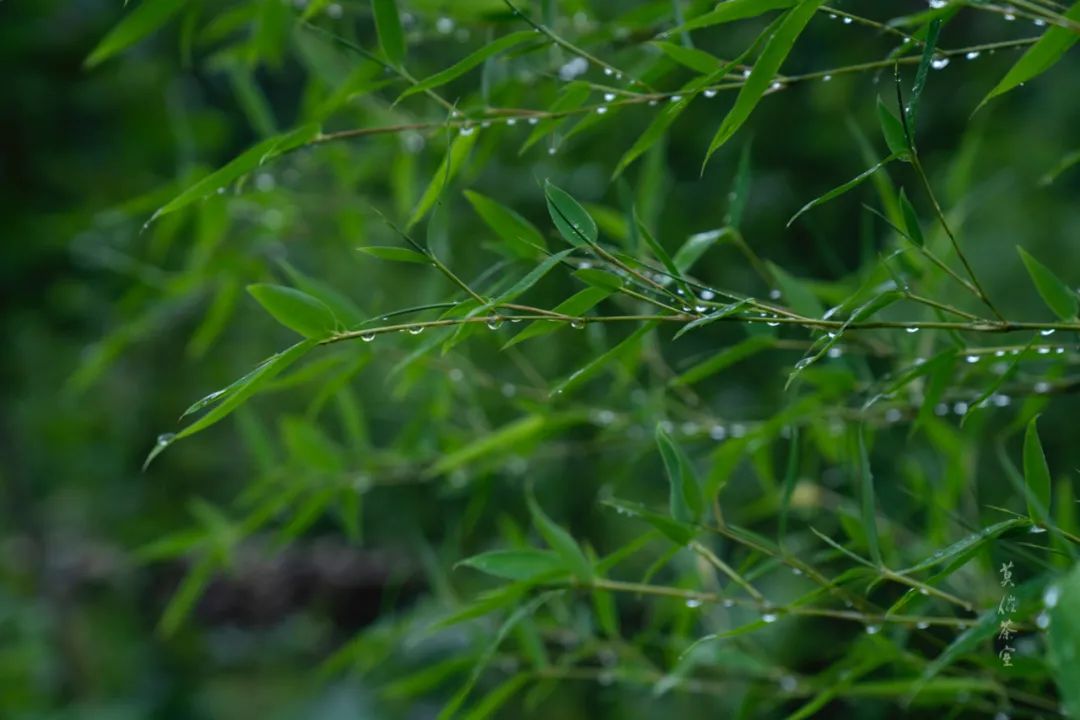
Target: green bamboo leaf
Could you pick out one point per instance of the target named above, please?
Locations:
(696, 245)
(395, 254)
(572, 97)
(1063, 638)
(761, 77)
(912, 111)
(726, 311)
(731, 10)
(840, 190)
(661, 254)
(796, 294)
(388, 28)
(1056, 294)
(685, 501)
(523, 564)
(239, 166)
(725, 359)
(693, 58)
(505, 439)
(893, 131)
(294, 309)
(459, 150)
(869, 503)
(597, 365)
(140, 22)
(236, 394)
(468, 63)
(188, 593)
(561, 542)
(490, 703)
(911, 220)
(532, 277)
(967, 545)
(1040, 57)
(520, 234)
(679, 533)
(574, 306)
(571, 220)
(1036, 475)
(657, 129)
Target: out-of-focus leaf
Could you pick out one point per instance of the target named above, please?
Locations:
(1036, 475)
(140, 22)
(525, 564)
(561, 542)
(468, 63)
(685, 499)
(460, 147)
(520, 234)
(388, 27)
(396, 254)
(731, 10)
(1063, 638)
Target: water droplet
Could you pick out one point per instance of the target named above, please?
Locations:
(601, 110)
(608, 71)
(922, 624)
(652, 103)
(165, 438)
(609, 96)
(911, 330)
(1043, 351)
(1036, 530)
(577, 323)
(551, 151)
(508, 390)
(494, 322)
(728, 603)
(444, 25)
(511, 121)
(738, 430)
(717, 432)
(707, 295)
(826, 78)
(796, 571)
(941, 409)
(700, 308)
(847, 21)
(835, 352)
(960, 408)
(416, 329)
(1039, 22)
(776, 86)
(367, 337)
(972, 55)
(972, 358)
(771, 323)
(788, 683)
(774, 294)
(1047, 333)
(893, 415)
(1042, 387)
(1059, 351)
(768, 617)
(710, 93)
(693, 603)
(1009, 17)
(675, 98)
(873, 629)
(1042, 620)
(939, 63)
(938, 4)
(832, 16)
(1001, 400)
(1051, 596)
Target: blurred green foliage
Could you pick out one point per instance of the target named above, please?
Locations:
(440, 502)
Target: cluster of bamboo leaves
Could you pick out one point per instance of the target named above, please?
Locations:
(672, 597)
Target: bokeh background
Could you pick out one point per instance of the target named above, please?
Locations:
(107, 339)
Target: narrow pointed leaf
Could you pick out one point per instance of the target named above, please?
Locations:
(388, 27)
(893, 131)
(147, 17)
(1036, 475)
(685, 501)
(468, 63)
(761, 77)
(515, 230)
(395, 254)
(911, 220)
(571, 220)
(840, 190)
(732, 10)
(1056, 294)
(459, 150)
(561, 542)
(295, 310)
(523, 564)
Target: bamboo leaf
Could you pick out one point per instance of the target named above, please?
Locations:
(1036, 475)
(911, 220)
(761, 77)
(459, 150)
(732, 10)
(388, 28)
(295, 310)
(140, 22)
(840, 190)
(523, 564)
(561, 542)
(869, 502)
(893, 131)
(1063, 638)
(395, 254)
(574, 306)
(571, 220)
(1038, 58)
(1056, 294)
(468, 63)
(596, 365)
(685, 499)
(516, 231)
